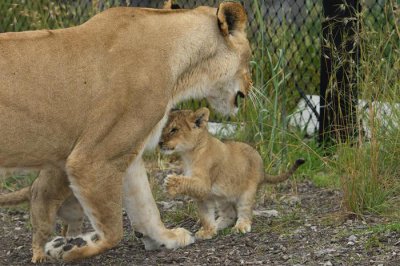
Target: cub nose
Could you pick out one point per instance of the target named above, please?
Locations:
(160, 143)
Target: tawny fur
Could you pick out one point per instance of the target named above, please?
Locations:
(17, 197)
(89, 99)
(222, 175)
(49, 197)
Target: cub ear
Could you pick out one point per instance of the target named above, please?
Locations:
(231, 18)
(169, 5)
(200, 117)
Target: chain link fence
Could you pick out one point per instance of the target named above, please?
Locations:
(277, 28)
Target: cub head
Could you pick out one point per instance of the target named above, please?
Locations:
(232, 21)
(183, 130)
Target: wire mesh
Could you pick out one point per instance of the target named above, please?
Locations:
(293, 26)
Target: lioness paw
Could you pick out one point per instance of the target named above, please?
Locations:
(59, 247)
(180, 237)
(242, 227)
(170, 239)
(172, 185)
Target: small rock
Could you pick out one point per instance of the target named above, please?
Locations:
(324, 251)
(299, 230)
(170, 205)
(293, 200)
(352, 238)
(328, 263)
(350, 243)
(266, 213)
(17, 228)
(314, 228)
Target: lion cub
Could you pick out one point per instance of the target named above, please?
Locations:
(222, 175)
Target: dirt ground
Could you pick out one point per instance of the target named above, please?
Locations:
(306, 227)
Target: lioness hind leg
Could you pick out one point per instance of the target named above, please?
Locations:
(98, 187)
(143, 212)
(244, 209)
(226, 214)
(48, 192)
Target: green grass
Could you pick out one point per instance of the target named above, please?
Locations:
(17, 181)
(187, 211)
(382, 228)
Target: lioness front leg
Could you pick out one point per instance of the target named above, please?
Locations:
(144, 215)
(98, 187)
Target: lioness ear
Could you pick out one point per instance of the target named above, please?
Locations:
(200, 117)
(231, 18)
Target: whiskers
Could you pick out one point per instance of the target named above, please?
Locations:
(258, 97)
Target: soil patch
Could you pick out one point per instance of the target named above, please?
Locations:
(306, 227)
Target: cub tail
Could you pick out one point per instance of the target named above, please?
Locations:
(274, 179)
(16, 197)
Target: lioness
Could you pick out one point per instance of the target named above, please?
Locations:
(222, 173)
(90, 99)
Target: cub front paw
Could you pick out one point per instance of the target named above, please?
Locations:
(206, 233)
(172, 185)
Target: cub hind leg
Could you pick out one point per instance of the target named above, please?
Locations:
(207, 219)
(226, 214)
(244, 207)
(71, 213)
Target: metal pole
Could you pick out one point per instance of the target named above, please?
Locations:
(339, 66)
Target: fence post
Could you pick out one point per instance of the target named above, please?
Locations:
(339, 64)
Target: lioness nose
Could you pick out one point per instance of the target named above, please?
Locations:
(160, 143)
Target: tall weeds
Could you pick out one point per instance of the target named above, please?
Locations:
(370, 171)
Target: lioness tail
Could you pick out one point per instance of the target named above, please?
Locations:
(273, 179)
(16, 197)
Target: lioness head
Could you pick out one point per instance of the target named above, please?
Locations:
(222, 74)
(183, 130)
(232, 21)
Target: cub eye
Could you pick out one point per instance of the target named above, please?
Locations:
(173, 131)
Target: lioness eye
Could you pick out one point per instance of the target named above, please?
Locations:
(173, 131)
